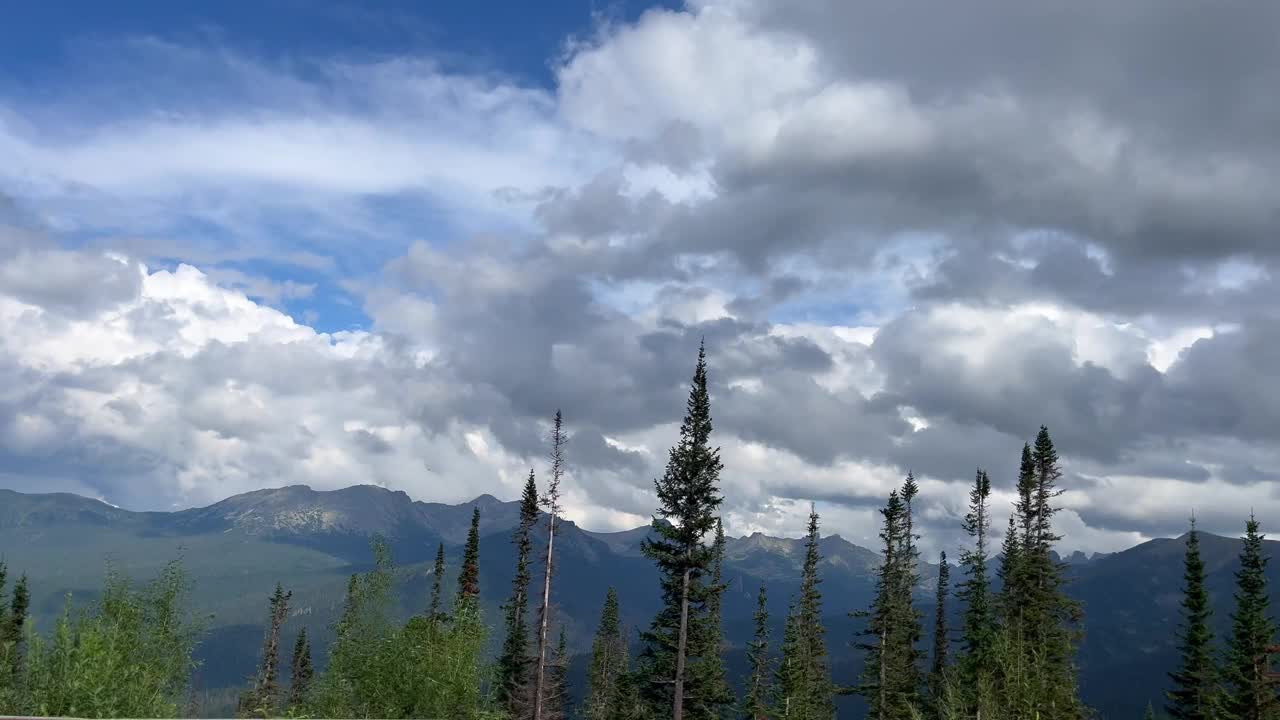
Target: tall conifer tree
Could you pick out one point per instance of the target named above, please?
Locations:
(689, 495)
(975, 592)
(941, 638)
(1249, 667)
(12, 623)
(513, 664)
(714, 698)
(1195, 683)
(808, 677)
(264, 696)
(757, 702)
(890, 680)
(300, 670)
(469, 575)
(608, 664)
(435, 613)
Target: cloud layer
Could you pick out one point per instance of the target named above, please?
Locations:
(909, 234)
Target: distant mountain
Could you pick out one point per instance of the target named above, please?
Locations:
(237, 549)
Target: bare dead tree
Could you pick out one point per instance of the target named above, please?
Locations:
(551, 504)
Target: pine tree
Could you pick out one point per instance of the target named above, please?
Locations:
(1015, 593)
(556, 701)
(513, 664)
(807, 680)
(756, 704)
(469, 576)
(890, 680)
(788, 669)
(941, 641)
(1150, 714)
(608, 664)
(714, 698)
(1195, 684)
(300, 671)
(264, 696)
(908, 578)
(1249, 666)
(435, 613)
(551, 502)
(12, 622)
(979, 618)
(689, 494)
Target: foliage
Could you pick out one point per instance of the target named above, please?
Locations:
(1195, 694)
(130, 655)
(513, 663)
(608, 669)
(689, 495)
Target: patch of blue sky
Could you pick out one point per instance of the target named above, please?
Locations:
(514, 37)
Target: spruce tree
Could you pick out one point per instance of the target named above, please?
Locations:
(689, 495)
(1053, 615)
(264, 697)
(608, 664)
(1150, 714)
(469, 575)
(300, 671)
(513, 664)
(756, 704)
(1010, 595)
(941, 641)
(808, 678)
(12, 623)
(551, 502)
(714, 698)
(1195, 683)
(788, 673)
(890, 680)
(1016, 593)
(556, 700)
(979, 635)
(1249, 667)
(435, 613)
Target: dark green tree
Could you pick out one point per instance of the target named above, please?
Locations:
(890, 679)
(1016, 593)
(608, 664)
(1248, 671)
(435, 613)
(807, 677)
(469, 575)
(12, 623)
(300, 671)
(263, 698)
(513, 663)
(557, 700)
(756, 704)
(979, 633)
(1150, 714)
(689, 495)
(941, 638)
(1195, 694)
(715, 698)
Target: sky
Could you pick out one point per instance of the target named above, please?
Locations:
(251, 245)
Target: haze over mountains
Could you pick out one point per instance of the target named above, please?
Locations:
(311, 541)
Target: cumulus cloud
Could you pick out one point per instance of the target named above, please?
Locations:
(909, 234)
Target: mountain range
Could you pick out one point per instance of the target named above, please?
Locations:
(311, 541)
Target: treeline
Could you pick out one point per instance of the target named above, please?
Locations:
(1012, 657)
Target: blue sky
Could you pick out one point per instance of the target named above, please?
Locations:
(95, 57)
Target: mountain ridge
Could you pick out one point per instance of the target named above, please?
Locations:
(311, 540)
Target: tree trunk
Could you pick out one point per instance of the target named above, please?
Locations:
(677, 710)
(543, 621)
